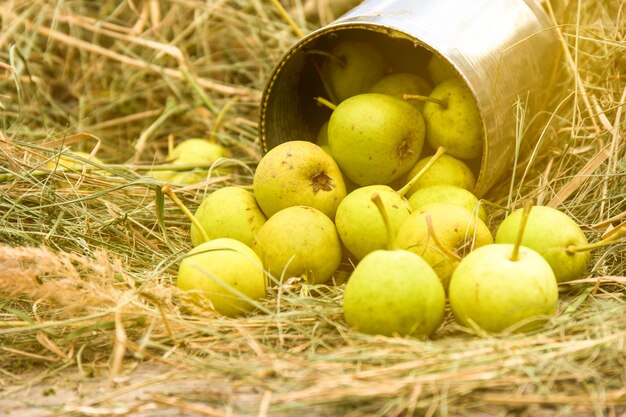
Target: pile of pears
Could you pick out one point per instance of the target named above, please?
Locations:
(366, 193)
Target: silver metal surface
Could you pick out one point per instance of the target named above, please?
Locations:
(505, 50)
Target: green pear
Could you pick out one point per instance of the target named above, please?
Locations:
(442, 234)
(230, 212)
(299, 241)
(358, 219)
(446, 170)
(187, 154)
(393, 292)
(375, 138)
(401, 83)
(322, 135)
(322, 142)
(326, 149)
(551, 233)
(494, 291)
(197, 150)
(225, 272)
(298, 173)
(359, 223)
(446, 193)
(440, 69)
(352, 67)
(164, 175)
(457, 125)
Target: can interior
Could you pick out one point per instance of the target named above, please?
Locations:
(289, 109)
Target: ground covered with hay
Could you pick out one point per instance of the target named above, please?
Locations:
(90, 320)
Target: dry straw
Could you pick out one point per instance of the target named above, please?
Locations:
(88, 256)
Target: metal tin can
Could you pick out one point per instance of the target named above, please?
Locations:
(505, 51)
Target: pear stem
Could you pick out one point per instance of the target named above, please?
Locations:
(418, 97)
(431, 231)
(168, 192)
(617, 233)
(570, 250)
(520, 233)
(391, 240)
(326, 103)
(440, 151)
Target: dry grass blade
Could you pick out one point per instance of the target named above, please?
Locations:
(91, 322)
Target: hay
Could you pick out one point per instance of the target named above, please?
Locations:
(88, 256)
